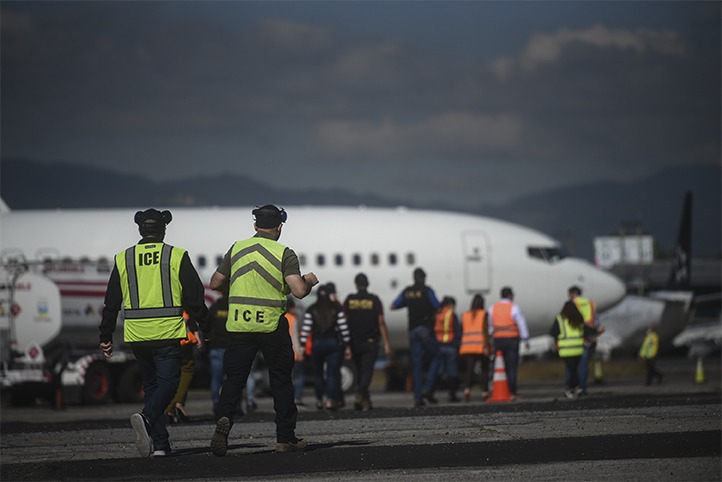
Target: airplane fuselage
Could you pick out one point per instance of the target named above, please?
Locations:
(461, 254)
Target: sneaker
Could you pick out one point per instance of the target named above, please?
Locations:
(570, 394)
(580, 392)
(419, 403)
(143, 442)
(161, 453)
(296, 445)
(219, 442)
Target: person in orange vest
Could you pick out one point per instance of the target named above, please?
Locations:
(448, 333)
(176, 411)
(508, 327)
(475, 347)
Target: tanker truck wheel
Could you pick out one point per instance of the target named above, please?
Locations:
(130, 386)
(98, 384)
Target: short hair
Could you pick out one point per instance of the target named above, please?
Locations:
(506, 292)
(575, 290)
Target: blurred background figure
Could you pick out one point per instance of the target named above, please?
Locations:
(217, 344)
(475, 346)
(325, 321)
(648, 353)
(448, 334)
(569, 331)
(176, 411)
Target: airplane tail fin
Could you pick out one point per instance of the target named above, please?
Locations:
(679, 278)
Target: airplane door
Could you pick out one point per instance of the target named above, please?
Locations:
(476, 259)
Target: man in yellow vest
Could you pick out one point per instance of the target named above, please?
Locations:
(588, 309)
(648, 353)
(259, 273)
(154, 283)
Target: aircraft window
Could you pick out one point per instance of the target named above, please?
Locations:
(410, 259)
(392, 259)
(320, 260)
(219, 260)
(356, 259)
(338, 260)
(550, 254)
(374, 259)
(84, 260)
(201, 261)
(302, 259)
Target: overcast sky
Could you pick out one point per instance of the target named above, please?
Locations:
(465, 102)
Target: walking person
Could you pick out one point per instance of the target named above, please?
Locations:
(648, 353)
(568, 332)
(258, 273)
(365, 317)
(154, 283)
(176, 411)
(588, 309)
(448, 333)
(217, 344)
(421, 303)
(326, 323)
(508, 327)
(475, 346)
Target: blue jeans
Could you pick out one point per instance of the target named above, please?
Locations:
(326, 352)
(216, 358)
(584, 365)
(422, 341)
(509, 348)
(448, 364)
(160, 372)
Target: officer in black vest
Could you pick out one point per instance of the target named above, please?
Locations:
(365, 317)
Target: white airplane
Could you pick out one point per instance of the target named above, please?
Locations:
(462, 255)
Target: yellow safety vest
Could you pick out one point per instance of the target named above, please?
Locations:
(257, 293)
(650, 346)
(152, 292)
(586, 308)
(570, 340)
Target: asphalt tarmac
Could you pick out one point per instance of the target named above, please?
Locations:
(622, 430)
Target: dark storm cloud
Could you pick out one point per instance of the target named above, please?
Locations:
(128, 83)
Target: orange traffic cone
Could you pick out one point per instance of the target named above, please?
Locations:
(500, 389)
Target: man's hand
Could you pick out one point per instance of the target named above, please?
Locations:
(107, 348)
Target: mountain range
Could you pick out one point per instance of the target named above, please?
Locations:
(573, 215)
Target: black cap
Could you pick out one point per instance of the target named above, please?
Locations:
(419, 274)
(361, 279)
(269, 216)
(153, 217)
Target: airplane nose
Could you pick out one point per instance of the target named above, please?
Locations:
(609, 290)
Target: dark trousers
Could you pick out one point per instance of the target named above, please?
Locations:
(277, 352)
(572, 371)
(650, 364)
(509, 348)
(470, 362)
(365, 354)
(160, 373)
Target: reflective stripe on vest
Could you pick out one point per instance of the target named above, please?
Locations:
(152, 293)
(504, 325)
(257, 293)
(570, 340)
(473, 338)
(444, 326)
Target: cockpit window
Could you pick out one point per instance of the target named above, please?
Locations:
(551, 254)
